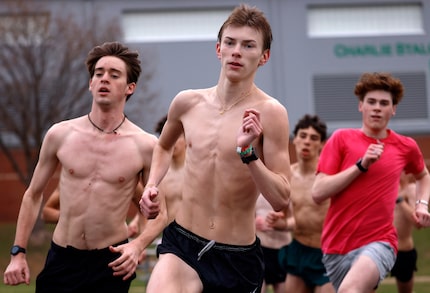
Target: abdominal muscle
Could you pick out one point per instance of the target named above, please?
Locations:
(86, 234)
(92, 220)
(223, 211)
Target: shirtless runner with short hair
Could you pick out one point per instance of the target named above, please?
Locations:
(237, 146)
(103, 156)
(302, 260)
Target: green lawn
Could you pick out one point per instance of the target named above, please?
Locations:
(37, 252)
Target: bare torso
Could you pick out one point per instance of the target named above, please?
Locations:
(309, 216)
(219, 194)
(172, 184)
(403, 217)
(270, 238)
(99, 175)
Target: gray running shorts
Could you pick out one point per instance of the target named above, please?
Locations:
(338, 265)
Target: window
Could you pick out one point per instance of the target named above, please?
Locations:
(335, 101)
(365, 20)
(167, 26)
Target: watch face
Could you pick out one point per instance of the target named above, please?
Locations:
(16, 249)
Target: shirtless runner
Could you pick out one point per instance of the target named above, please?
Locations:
(406, 261)
(90, 251)
(302, 261)
(235, 150)
(174, 178)
(274, 230)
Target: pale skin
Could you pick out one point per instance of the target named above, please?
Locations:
(308, 216)
(273, 233)
(97, 179)
(377, 109)
(404, 221)
(51, 211)
(171, 186)
(173, 180)
(219, 191)
(269, 230)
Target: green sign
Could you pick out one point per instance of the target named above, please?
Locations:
(401, 49)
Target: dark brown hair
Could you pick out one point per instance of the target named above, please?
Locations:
(379, 81)
(312, 121)
(160, 124)
(120, 51)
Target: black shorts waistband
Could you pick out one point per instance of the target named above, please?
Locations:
(75, 251)
(217, 245)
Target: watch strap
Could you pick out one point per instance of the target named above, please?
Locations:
(249, 158)
(17, 249)
(360, 166)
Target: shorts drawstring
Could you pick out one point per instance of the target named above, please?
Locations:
(205, 249)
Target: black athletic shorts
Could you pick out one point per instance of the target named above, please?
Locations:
(74, 270)
(273, 272)
(405, 265)
(223, 267)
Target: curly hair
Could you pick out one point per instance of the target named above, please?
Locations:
(379, 81)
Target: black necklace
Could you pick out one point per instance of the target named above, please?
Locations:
(102, 130)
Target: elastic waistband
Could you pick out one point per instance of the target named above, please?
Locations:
(308, 249)
(75, 251)
(217, 245)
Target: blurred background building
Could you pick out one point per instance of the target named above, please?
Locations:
(320, 49)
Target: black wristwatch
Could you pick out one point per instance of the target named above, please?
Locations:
(250, 158)
(17, 249)
(360, 167)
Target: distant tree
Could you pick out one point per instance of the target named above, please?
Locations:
(43, 78)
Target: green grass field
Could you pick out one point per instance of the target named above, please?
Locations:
(37, 253)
